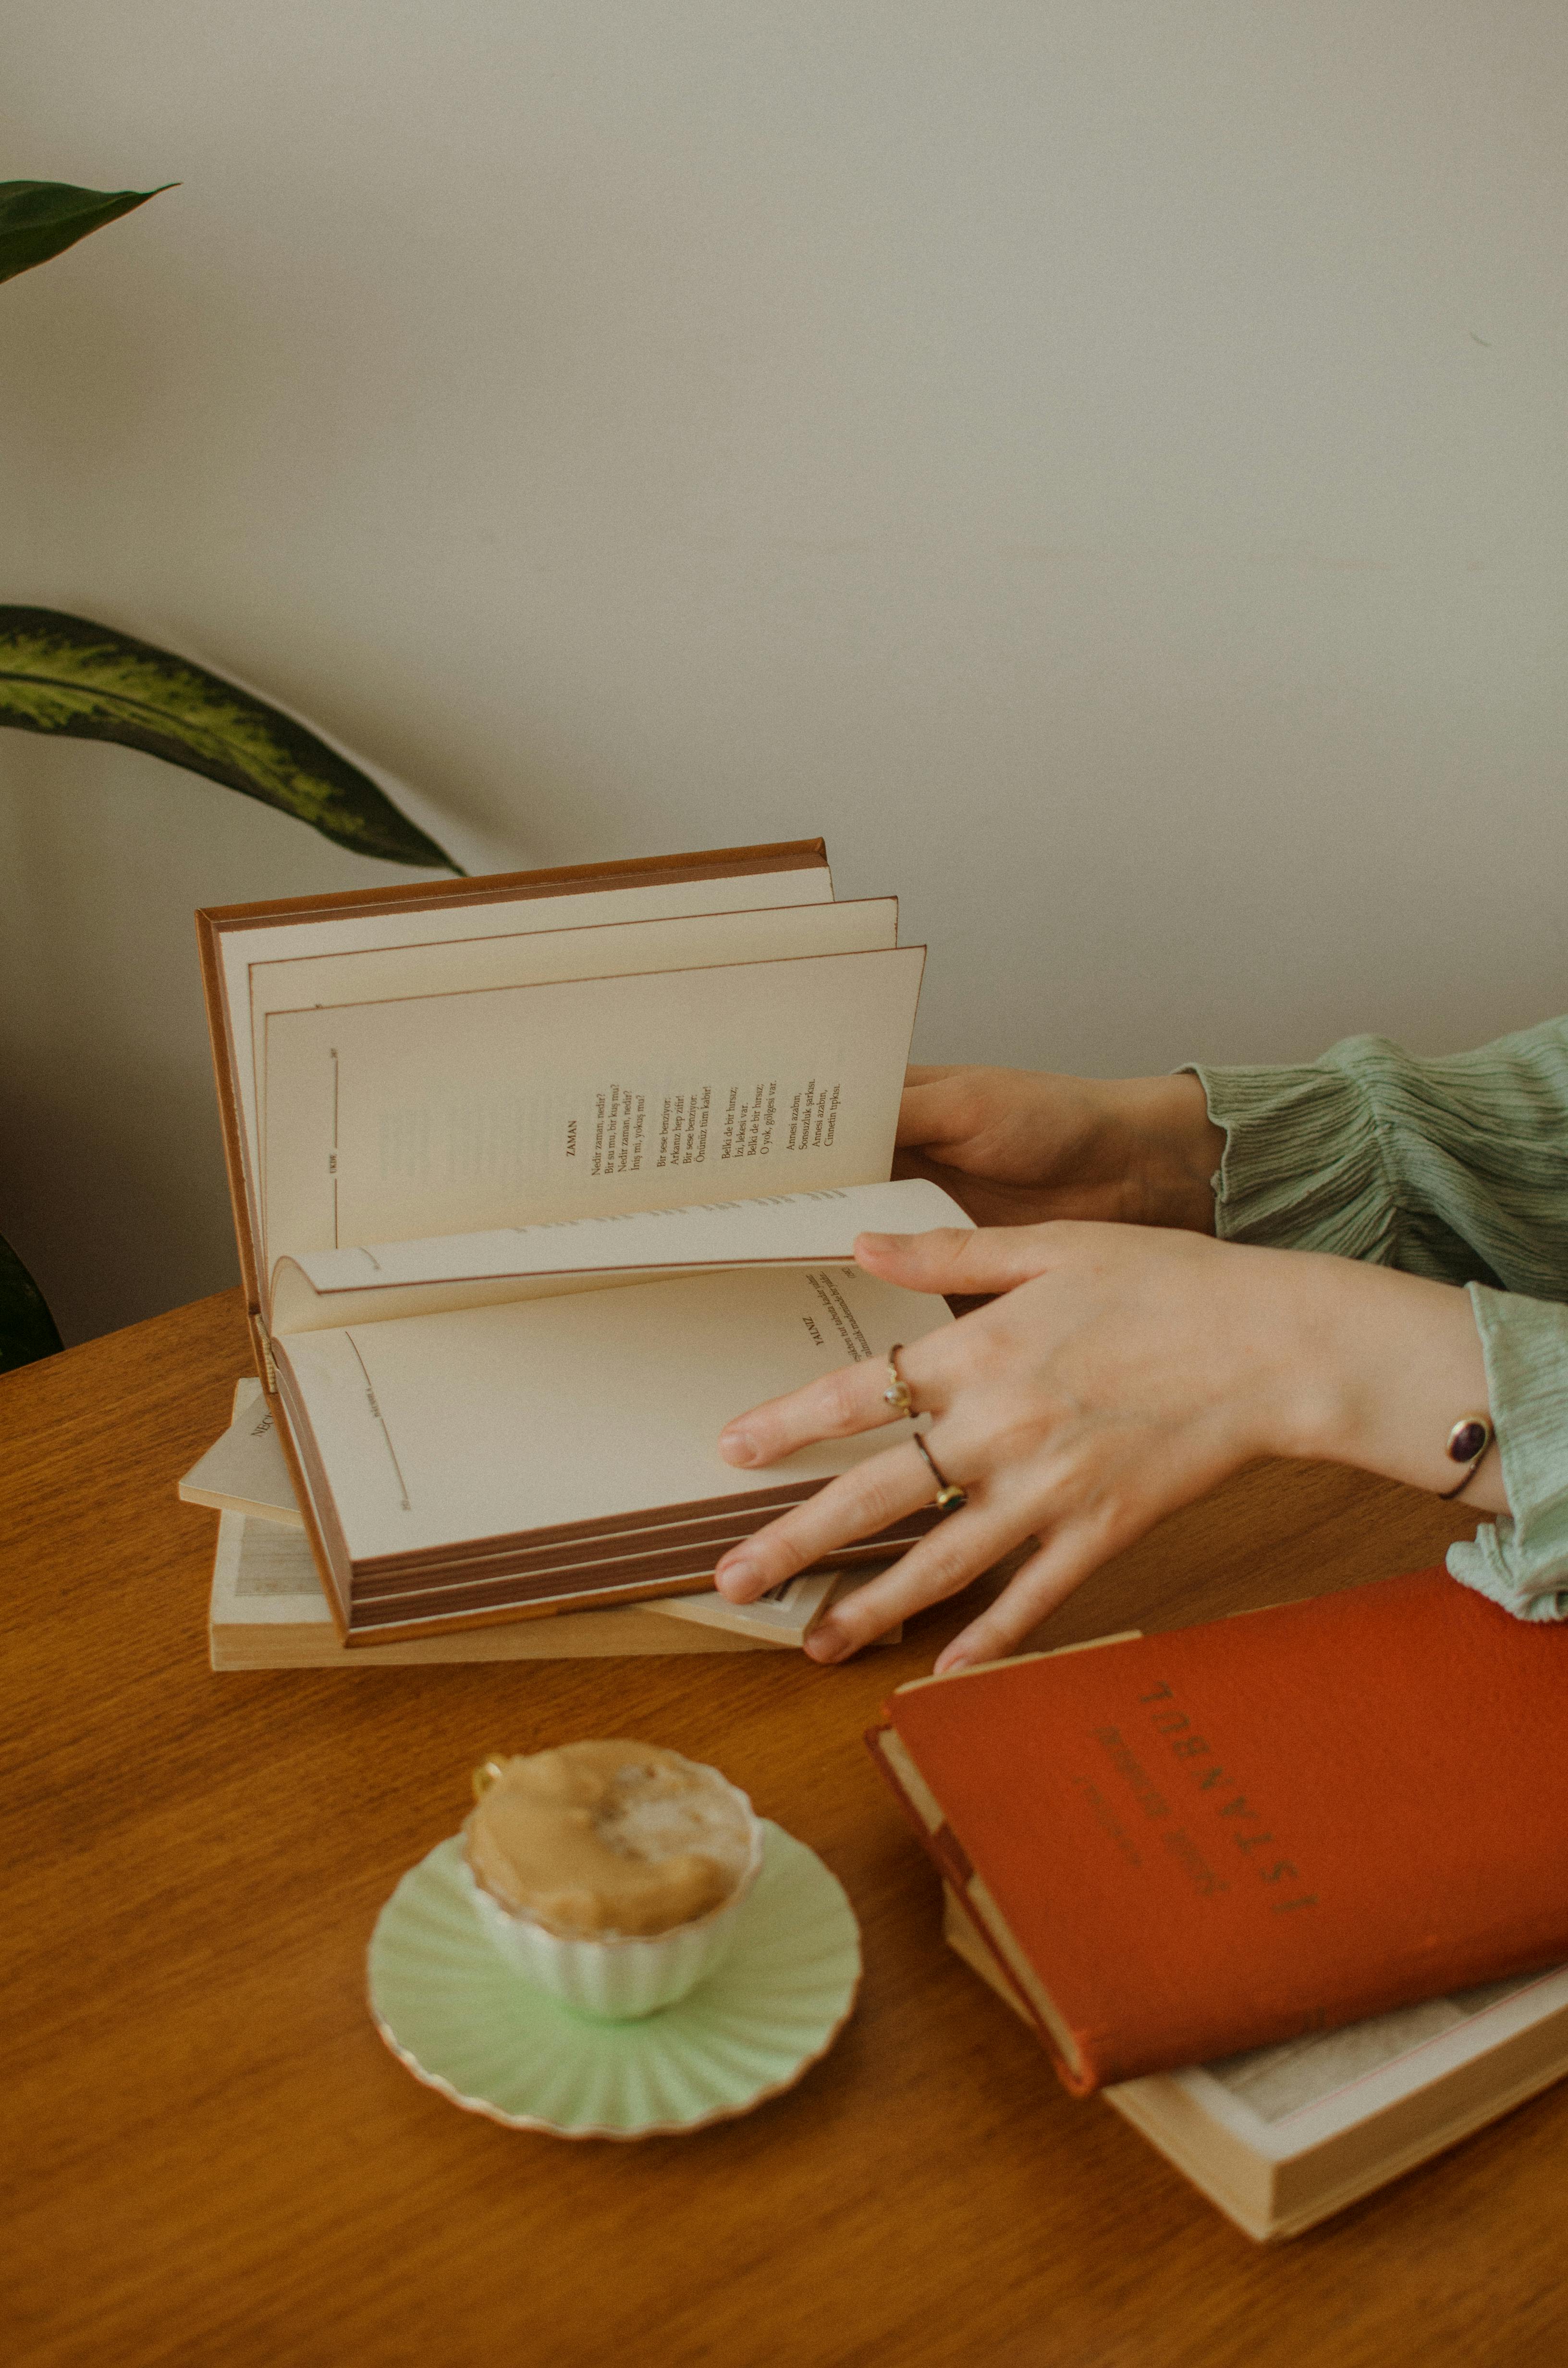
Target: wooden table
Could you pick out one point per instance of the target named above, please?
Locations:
(214, 2160)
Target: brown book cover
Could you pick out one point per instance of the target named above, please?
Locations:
(1190, 1844)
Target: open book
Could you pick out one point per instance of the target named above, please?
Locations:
(538, 1181)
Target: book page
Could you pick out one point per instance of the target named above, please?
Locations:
(521, 1105)
(501, 1420)
(241, 948)
(790, 1611)
(375, 1281)
(559, 949)
(537, 956)
(1278, 2083)
(265, 1576)
(246, 1470)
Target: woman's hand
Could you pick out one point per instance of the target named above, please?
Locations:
(1123, 1372)
(1014, 1147)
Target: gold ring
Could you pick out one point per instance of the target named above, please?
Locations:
(896, 1395)
(949, 1495)
(484, 1775)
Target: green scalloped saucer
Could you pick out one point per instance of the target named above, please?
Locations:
(464, 2023)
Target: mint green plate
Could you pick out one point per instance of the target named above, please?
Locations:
(462, 2022)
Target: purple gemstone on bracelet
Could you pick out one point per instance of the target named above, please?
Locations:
(1466, 1441)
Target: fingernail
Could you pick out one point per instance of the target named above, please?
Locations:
(959, 1656)
(827, 1643)
(737, 1447)
(880, 1243)
(734, 1577)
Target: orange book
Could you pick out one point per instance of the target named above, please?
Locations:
(1186, 1845)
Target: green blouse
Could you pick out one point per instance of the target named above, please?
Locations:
(1456, 1168)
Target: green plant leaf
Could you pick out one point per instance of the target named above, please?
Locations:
(26, 1328)
(39, 219)
(61, 674)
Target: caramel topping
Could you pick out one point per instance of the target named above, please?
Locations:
(596, 1839)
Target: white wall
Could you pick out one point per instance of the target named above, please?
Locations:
(1103, 462)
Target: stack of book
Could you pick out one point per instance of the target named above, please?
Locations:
(1320, 1852)
(540, 1180)
(267, 1611)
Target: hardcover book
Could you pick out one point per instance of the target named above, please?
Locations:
(1190, 1845)
(540, 1180)
(267, 1611)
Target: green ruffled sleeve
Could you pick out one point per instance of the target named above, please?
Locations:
(1456, 1168)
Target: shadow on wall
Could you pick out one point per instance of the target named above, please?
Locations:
(111, 1169)
(113, 1187)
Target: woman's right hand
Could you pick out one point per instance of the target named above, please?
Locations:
(1116, 1372)
(1018, 1147)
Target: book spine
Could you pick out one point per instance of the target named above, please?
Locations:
(941, 1844)
(228, 1109)
(947, 1854)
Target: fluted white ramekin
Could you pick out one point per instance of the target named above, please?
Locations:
(620, 1975)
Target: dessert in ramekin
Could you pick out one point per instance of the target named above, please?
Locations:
(610, 1874)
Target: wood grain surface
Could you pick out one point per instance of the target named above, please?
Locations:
(212, 2159)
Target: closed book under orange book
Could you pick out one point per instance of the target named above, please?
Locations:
(1186, 1845)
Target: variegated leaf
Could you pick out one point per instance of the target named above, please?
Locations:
(64, 675)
